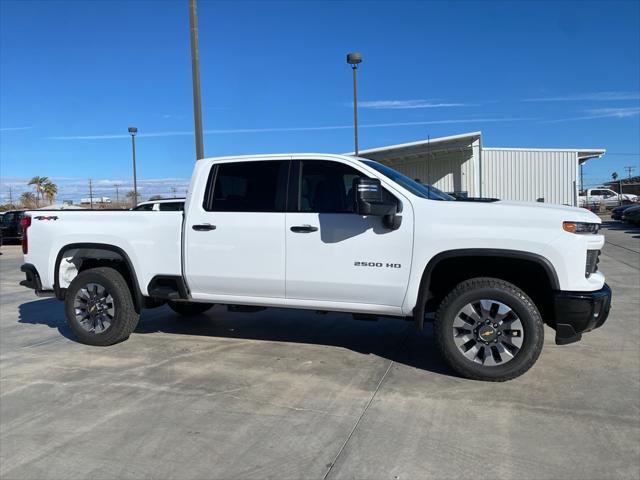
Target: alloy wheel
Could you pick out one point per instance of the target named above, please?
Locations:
(94, 308)
(488, 332)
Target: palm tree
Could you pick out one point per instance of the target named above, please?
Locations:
(132, 195)
(614, 175)
(49, 190)
(28, 200)
(37, 183)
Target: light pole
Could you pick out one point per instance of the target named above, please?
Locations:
(132, 132)
(195, 77)
(353, 59)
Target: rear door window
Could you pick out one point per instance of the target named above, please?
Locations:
(258, 186)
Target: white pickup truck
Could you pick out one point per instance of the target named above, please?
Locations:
(610, 198)
(331, 233)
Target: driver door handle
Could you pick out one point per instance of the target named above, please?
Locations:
(203, 227)
(303, 229)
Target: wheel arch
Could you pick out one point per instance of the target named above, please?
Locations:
(471, 255)
(96, 252)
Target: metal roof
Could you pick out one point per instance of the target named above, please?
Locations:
(421, 147)
(456, 142)
(584, 154)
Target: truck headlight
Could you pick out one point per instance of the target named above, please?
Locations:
(580, 227)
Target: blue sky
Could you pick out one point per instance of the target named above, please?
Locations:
(75, 75)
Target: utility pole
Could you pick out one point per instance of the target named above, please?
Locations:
(117, 194)
(90, 194)
(132, 132)
(629, 170)
(620, 190)
(195, 74)
(10, 196)
(173, 191)
(353, 59)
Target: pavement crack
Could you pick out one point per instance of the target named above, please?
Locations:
(364, 411)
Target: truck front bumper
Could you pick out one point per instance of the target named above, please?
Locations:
(580, 312)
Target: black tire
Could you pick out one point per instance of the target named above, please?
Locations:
(473, 290)
(189, 309)
(124, 318)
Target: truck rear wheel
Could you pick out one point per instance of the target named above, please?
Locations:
(99, 307)
(189, 309)
(489, 329)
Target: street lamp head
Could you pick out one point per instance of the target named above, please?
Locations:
(133, 130)
(354, 58)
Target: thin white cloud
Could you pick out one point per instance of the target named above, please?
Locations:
(12, 129)
(118, 135)
(406, 104)
(292, 129)
(596, 113)
(591, 97)
(615, 112)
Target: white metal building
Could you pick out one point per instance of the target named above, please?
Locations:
(460, 163)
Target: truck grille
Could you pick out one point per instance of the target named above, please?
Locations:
(593, 258)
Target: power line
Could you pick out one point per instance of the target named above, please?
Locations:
(629, 170)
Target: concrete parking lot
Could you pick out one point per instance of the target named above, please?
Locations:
(294, 394)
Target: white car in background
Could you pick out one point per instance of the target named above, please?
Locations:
(162, 205)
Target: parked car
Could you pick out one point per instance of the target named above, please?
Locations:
(606, 196)
(632, 215)
(11, 229)
(616, 213)
(165, 204)
(332, 232)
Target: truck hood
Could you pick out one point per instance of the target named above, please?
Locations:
(504, 213)
(583, 214)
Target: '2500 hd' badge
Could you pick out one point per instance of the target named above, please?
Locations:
(377, 264)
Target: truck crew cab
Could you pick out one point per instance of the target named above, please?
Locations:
(336, 233)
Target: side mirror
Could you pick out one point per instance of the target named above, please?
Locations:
(370, 200)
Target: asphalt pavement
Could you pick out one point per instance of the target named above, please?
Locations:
(295, 394)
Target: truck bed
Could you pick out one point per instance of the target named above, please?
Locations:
(150, 240)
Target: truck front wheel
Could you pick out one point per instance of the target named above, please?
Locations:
(489, 329)
(99, 307)
(189, 309)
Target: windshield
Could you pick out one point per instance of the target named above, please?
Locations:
(422, 191)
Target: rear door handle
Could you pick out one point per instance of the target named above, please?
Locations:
(203, 227)
(303, 229)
